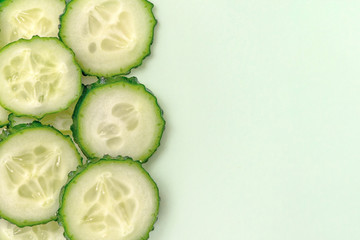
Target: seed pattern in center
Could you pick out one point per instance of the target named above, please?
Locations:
(111, 207)
(32, 77)
(127, 118)
(112, 28)
(28, 22)
(35, 174)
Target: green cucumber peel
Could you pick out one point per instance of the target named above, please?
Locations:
(81, 170)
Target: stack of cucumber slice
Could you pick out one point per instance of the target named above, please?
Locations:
(75, 129)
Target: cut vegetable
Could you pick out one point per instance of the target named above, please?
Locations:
(14, 120)
(38, 76)
(110, 199)
(26, 18)
(62, 121)
(49, 231)
(4, 114)
(109, 37)
(34, 164)
(118, 117)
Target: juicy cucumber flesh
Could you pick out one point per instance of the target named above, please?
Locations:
(38, 76)
(118, 118)
(110, 199)
(34, 164)
(109, 37)
(48, 231)
(26, 18)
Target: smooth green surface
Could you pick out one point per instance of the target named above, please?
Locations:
(262, 103)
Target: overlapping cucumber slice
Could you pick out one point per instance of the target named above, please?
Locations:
(48, 231)
(34, 164)
(62, 121)
(109, 199)
(109, 37)
(38, 76)
(118, 116)
(26, 18)
(4, 114)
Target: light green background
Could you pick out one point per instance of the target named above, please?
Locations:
(262, 102)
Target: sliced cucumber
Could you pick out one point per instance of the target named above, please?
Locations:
(4, 114)
(38, 76)
(34, 164)
(109, 199)
(62, 121)
(15, 120)
(118, 116)
(26, 18)
(48, 231)
(109, 37)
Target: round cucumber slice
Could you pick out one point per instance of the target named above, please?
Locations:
(48, 231)
(118, 116)
(110, 199)
(109, 37)
(26, 18)
(38, 76)
(34, 164)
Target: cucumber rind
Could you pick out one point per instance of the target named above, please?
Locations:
(121, 71)
(104, 82)
(75, 64)
(72, 178)
(13, 131)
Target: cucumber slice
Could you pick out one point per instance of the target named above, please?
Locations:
(38, 76)
(26, 18)
(118, 116)
(4, 114)
(109, 37)
(62, 121)
(110, 199)
(15, 120)
(49, 231)
(34, 164)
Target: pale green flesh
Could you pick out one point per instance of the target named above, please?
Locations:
(108, 37)
(26, 18)
(125, 120)
(110, 201)
(38, 76)
(49, 231)
(31, 176)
